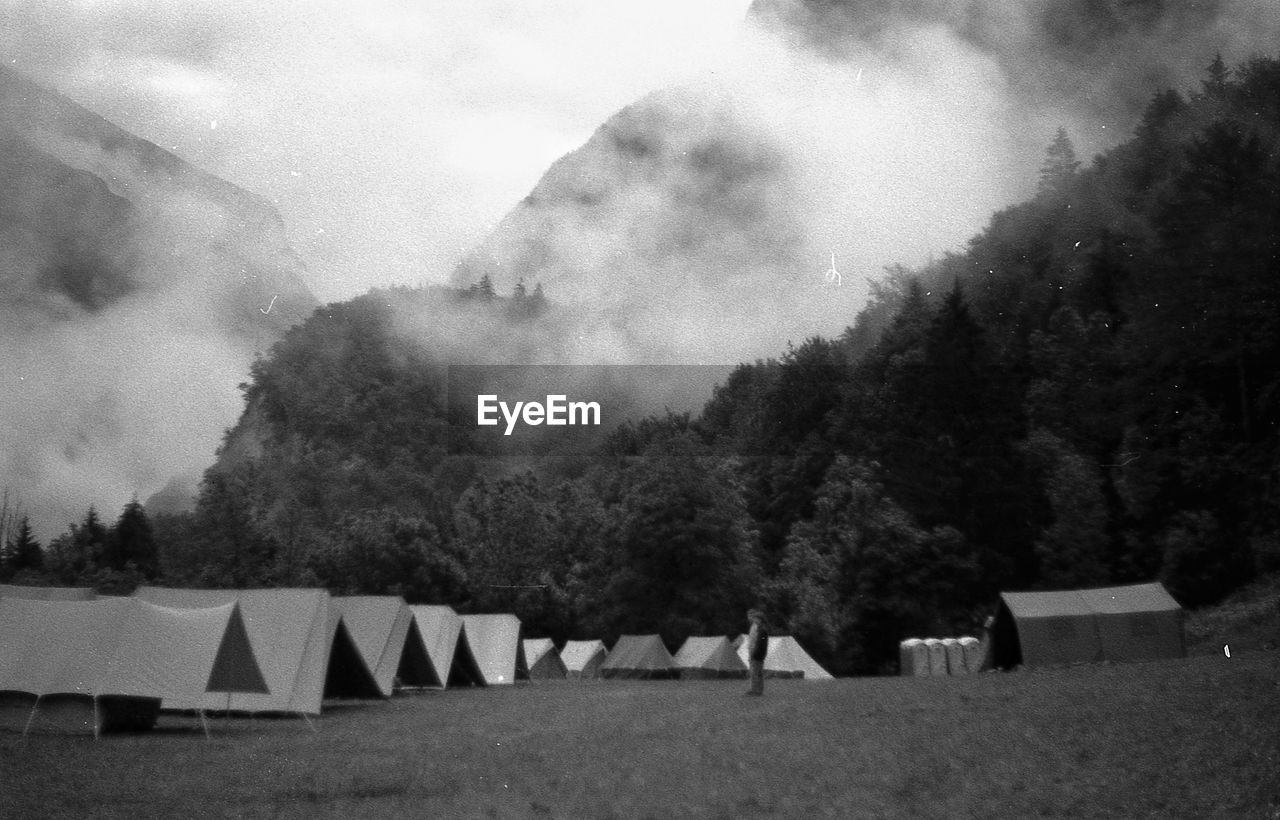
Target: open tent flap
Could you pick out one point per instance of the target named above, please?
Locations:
(438, 627)
(348, 675)
(415, 668)
(378, 625)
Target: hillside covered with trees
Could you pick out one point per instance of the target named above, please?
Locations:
(1088, 393)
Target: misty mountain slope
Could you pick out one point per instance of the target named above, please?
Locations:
(64, 234)
(677, 219)
(134, 291)
(188, 228)
(705, 218)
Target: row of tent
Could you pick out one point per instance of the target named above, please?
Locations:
(924, 657)
(646, 656)
(287, 650)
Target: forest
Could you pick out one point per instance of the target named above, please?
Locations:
(1086, 394)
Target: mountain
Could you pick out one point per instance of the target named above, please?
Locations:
(135, 289)
(703, 220)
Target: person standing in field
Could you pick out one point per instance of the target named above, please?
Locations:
(757, 650)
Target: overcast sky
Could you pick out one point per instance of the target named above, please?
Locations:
(391, 134)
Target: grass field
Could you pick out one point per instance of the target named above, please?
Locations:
(1190, 738)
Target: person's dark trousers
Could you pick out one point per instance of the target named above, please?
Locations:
(757, 678)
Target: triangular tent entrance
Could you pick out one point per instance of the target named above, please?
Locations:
(639, 656)
(544, 661)
(709, 657)
(495, 640)
(448, 652)
(582, 659)
(787, 659)
(383, 631)
(293, 635)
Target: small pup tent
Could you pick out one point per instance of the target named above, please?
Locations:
(126, 653)
(384, 633)
(709, 657)
(787, 659)
(306, 653)
(47, 593)
(544, 661)
(448, 651)
(582, 659)
(495, 641)
(639, 656)
(1137, 622)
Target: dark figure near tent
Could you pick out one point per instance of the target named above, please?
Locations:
(757, 649)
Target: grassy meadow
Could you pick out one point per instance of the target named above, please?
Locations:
(1191, 738)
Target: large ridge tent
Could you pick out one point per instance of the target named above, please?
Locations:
(124, 649)
(384, 633)
(1137, 622)
(543, 659)
(47, 593)
(305, 651)
(639, 656)
(709, 657)
(452, 661)
(787, 659)
(582, 659)
(495, 641)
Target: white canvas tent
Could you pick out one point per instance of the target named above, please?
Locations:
(786, 658)
(448, 651)
(47, 593)
(384, 633)
(639, 656)
(709, 657)
(495, 641)
(125, 649)
(544, 660)
(302, 648)
(1135, 622)
(582, 659)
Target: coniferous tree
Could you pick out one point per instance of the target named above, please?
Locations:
(131, 541)
(1060, 165)
(25, 552)
(1216, 78)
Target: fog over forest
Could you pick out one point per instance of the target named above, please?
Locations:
(680, 176)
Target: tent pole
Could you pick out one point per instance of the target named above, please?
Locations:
(205, 724)
(95, 718)
(310, 725)
(31, 717)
